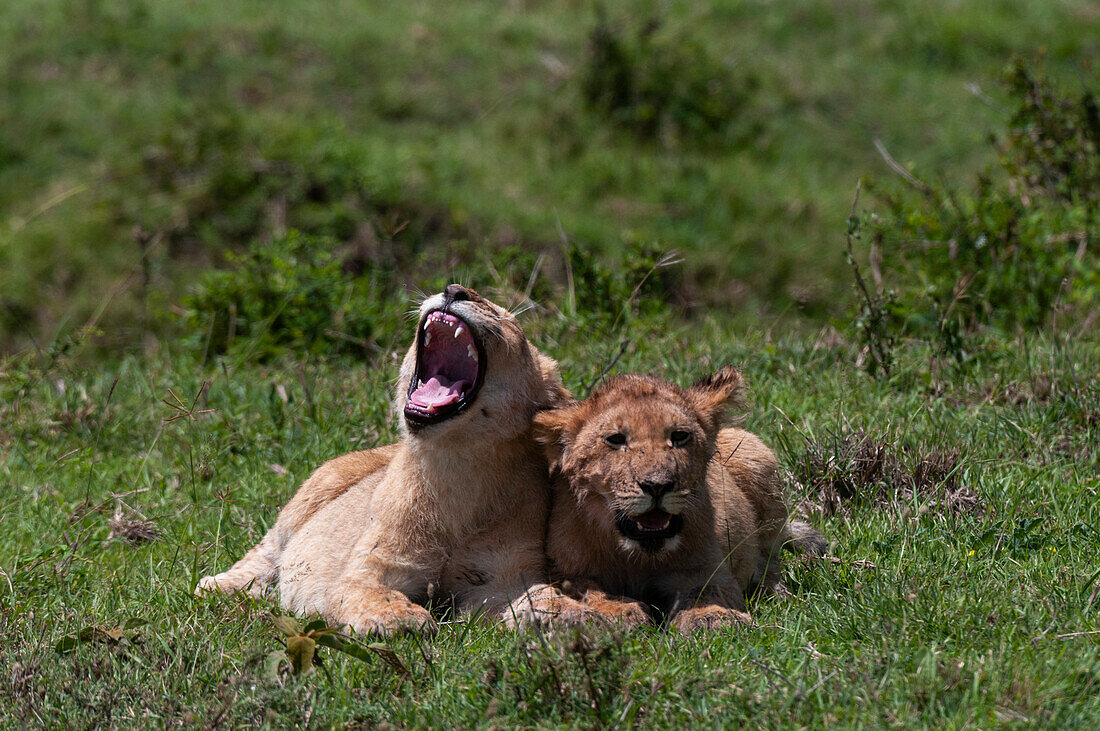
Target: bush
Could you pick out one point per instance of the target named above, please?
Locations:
(292, 293)
(664, 86)
(641, 282)
(1003, 255)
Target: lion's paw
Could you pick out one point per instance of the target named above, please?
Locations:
(558, 611)
(207, 585)
(627, 615)
(534, 609)
(391, 620)
(709, 618)
(226, 584)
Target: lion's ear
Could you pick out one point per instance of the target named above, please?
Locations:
(553, 429)
(714, 395)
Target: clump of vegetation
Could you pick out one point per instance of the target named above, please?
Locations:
(640, 283)
(1013, 252)
(308, 294)
(291, 293)
(858, 469)
(665, 86)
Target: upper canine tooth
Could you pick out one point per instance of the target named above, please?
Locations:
(458, 331)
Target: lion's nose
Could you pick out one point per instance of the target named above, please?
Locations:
(455, 293)
(655, 487)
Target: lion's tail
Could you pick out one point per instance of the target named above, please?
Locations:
(799, 537)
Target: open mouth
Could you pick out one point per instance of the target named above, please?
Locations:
(448, 369)
(651, 529)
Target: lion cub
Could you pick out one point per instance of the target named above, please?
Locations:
(457, 509)
(654, 501)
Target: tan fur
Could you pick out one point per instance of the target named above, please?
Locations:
(454, 511)
(723, 483)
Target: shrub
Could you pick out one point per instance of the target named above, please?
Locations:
(639, 283)
(1005, 253)
(291, 293)
(665, 86)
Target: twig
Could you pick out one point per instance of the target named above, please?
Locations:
(874, 343)
(570, 285)
(604, 371)
(534, 276)
(10, 587)
(900, 169)
(69, 453)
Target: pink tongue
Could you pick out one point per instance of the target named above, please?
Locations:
(437, 391)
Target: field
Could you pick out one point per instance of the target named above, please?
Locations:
(151, 424)
(211, 126)
(931, 611)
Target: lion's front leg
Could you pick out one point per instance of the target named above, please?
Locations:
(378, 587)
(255, 572)
(375, 610)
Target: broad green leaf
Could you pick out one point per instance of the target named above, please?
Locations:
(287, 625)
(315, 625)
(300, 650)
(273, 662)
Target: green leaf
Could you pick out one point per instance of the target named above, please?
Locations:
(300, 649)
(68, 644)
(386, 652)
(317, 624)
(287, 625)
(273, 662)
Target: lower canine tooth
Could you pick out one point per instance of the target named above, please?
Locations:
(427, 336)
(471, 353)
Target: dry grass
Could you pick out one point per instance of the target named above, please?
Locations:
(856, 468)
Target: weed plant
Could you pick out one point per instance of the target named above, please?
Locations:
(1015, 252)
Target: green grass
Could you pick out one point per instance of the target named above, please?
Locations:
(213, 124)
(435, 142)
(924, 618)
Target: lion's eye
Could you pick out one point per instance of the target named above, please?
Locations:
(679, 437)
(616, 440)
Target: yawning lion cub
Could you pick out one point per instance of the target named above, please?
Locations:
(655, 502)
(458, 506)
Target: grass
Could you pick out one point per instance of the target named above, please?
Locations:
(210, 126)
(141, 143)
(924, 615)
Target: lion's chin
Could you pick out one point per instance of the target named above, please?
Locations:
(649, 548)
(654, 531)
